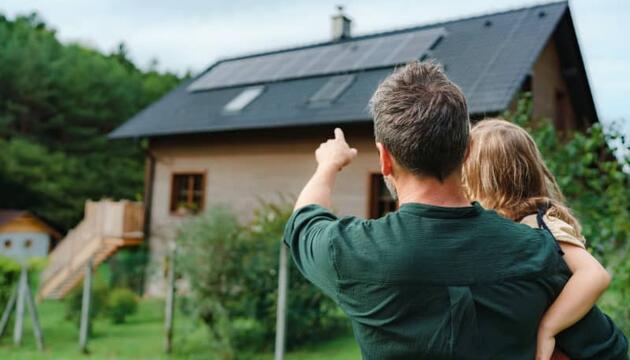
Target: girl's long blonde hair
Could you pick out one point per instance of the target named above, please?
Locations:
(505, 171)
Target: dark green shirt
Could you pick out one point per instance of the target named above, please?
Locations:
(428, 282)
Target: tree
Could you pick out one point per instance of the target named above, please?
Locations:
(58, 102)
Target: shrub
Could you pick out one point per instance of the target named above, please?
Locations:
(121, 303)
(128, 268)
(232, 271)
(9, 274)
(97, 304)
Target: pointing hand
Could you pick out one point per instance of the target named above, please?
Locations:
(335, 152)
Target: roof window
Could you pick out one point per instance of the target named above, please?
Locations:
(243, 99)
(331, 90)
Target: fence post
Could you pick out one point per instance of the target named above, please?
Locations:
(170, 302)
(85, 307)
(281, 309)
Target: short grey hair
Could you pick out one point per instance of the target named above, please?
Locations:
(421, 117)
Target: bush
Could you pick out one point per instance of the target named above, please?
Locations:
(128, 268)
(9, 275)
(598, 190)
(232, 271)
(97, 305)
(121, 303)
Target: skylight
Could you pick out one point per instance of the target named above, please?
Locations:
(331, 90)
(243, 99)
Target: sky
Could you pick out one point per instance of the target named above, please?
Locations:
(192, 34)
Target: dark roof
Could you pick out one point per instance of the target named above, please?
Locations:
(8, 215)
(488, 56)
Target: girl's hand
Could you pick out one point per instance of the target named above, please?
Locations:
(545, 346)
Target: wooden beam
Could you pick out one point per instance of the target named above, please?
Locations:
(37, 329)
(4, 321)
(19, 312)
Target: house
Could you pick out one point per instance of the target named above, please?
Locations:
(23, 235)
(246, 128)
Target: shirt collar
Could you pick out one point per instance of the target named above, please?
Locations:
(442, 212)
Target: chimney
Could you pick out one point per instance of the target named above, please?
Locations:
(340, 25)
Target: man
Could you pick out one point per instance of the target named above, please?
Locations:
(440, 278)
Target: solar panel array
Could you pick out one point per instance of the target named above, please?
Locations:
(341, 57)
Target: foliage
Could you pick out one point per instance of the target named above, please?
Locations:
(57, 104)
(98, 302)
(9, 274)
(232, 271)
(121, 303)
(128, 268)
(598, 191)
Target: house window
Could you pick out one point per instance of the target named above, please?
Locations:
(381, 201)
(187, 193)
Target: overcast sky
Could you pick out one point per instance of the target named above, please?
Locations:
(192, 34)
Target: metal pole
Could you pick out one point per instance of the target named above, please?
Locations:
(19, 316)
(85, 307)
(4, 321)
(281, 309)
(170, 303)
(37, 330)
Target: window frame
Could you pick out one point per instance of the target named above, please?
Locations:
(173, 207)
(373, 198)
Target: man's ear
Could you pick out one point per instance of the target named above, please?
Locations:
(385, 158)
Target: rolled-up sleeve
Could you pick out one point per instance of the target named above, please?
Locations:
(309, 234)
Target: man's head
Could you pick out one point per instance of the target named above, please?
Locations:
(421, 120)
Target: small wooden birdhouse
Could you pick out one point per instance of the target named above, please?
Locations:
(23, 235)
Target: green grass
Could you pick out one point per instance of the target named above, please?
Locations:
(141, 337)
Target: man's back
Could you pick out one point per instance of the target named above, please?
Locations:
(435, 282)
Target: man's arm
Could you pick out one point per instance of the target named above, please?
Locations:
(332, 156)
(595, 336)
(311, 229)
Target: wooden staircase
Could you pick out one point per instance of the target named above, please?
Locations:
(106, 227)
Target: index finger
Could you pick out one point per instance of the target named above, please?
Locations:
(339, 134)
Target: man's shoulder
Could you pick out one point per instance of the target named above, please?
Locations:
(497, 224)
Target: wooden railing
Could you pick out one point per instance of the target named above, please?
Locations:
(106, 226)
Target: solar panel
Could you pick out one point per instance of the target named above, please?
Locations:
(373, 52)
(331, 90)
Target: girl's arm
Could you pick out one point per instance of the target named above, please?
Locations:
(584, 287)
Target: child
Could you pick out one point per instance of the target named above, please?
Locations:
(504, 171)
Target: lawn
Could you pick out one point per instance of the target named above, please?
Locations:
(141, 337)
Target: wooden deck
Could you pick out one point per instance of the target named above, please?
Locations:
(107, 226)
